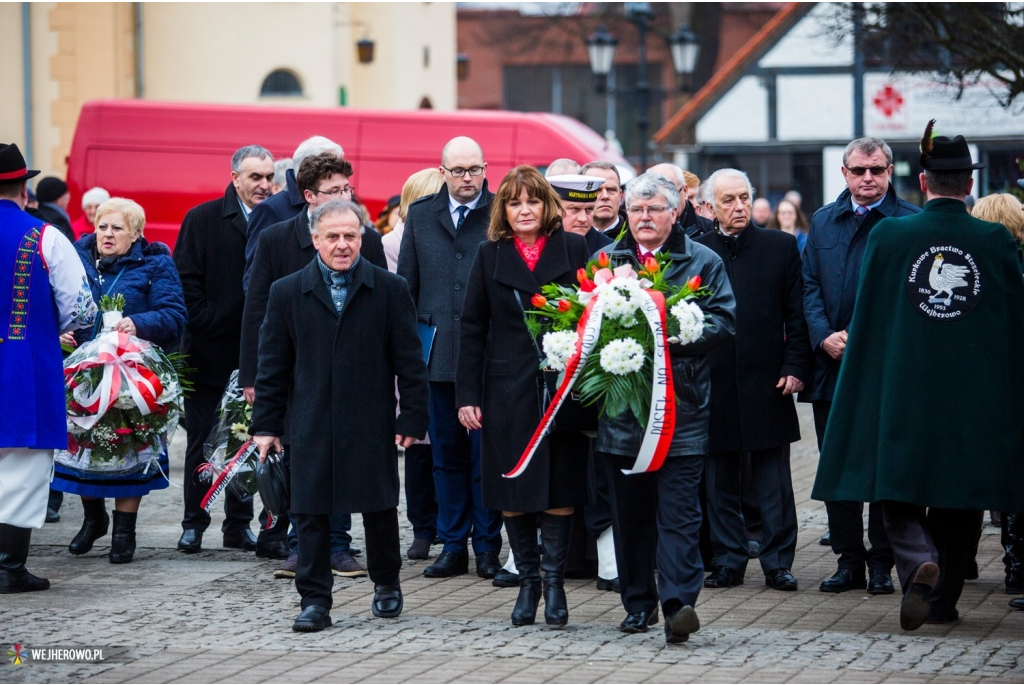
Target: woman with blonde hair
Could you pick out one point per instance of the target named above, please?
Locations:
(119, 261)
(422, 183)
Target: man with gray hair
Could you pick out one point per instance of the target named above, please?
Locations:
(753, 379)
(337, 336)
(286, 204)
(210, 256)
(656, 515)
(561, 167)
(686, 215)
(281, 168)
(832, 258)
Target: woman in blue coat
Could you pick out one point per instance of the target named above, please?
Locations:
(118, 260)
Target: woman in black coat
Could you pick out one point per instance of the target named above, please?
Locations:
(496, 385)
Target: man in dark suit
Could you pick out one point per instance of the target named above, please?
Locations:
(832, 258)
(283, 249)
(210, 256)
(286, 204)
(609, 217)
(336, 336)
(441, 236)
(753, 378)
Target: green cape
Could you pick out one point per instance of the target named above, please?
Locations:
(929, 406)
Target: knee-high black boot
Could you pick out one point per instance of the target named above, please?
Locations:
(522, 538)
(555, 532)
(122, 540)
(95, 526)
(14, 577)
(1012, 529)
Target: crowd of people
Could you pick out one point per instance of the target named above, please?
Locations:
(353, 338)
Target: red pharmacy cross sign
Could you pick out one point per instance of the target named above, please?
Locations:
(888, 100)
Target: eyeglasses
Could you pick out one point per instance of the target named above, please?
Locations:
(875, 170)
(338, 191)
(653, 210)
(459, 171)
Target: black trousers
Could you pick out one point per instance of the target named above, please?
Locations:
(598, 514)
(772, 482)
(941, 536)
(656, 518)
(421, 503)
(200, 418)
(846, 521)
(313, 577)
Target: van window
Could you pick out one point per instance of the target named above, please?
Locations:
(281, 83)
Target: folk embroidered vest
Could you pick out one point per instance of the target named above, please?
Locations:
(32, 405)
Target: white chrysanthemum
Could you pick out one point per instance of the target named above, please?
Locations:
(691, 321)
(171, 392)
(619, 303)
(125, 400)
(622, 356)
(559, 346)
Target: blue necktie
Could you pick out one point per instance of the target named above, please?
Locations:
(861, 210)
(462, 210)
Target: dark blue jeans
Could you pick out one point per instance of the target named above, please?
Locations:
(421, 505)
(460, 509)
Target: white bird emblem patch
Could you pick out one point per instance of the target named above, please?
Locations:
(944, 278)
(952, 287)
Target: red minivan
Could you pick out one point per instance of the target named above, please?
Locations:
(169, 157)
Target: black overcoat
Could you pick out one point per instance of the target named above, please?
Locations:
(210, 256)
(338, 374)
(497, 372)
(283, 249)
(435, 260)
(747, 411)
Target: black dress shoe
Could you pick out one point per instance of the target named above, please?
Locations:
(313, 618)
(387, 601)
(639, 622)
(916, 604)
(937, 615)
(273, 550)
(608, 585)
(1017, 603)
(843, 580)
(487, 564)
(191, 541)
(448, 564)
(780, 579)
(419, 549)
(826, 539)
(880, 582)
(241, 539)
(52, 515)
(723, 576)
(679, 625)
(505, 578)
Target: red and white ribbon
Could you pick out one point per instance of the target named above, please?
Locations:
(662, 418)
(122, 362)
(230, 470)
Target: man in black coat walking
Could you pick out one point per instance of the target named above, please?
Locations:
(210, 256)
(283, 249)
(831, 273)
(442, 233)
(753, 378)
(336, 336)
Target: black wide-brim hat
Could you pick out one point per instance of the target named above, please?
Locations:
(13, 166)
(946, 154)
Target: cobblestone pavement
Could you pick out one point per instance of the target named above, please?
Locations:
(219, 616)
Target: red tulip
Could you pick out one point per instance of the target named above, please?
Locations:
(651, 265)
(564, 306)
(587, 286)
(539, 301)
(694, 283)
(581, 275)
(603, 261)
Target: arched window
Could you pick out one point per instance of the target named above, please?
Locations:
(281, 83)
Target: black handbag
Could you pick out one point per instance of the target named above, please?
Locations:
(573, 415)
(272, 480)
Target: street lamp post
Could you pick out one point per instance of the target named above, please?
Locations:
(684, 47)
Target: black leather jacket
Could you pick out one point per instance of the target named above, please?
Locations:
(691, 370)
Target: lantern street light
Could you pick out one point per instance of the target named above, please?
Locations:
(683, 45)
